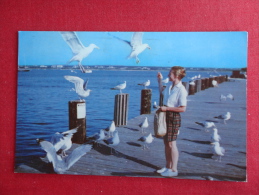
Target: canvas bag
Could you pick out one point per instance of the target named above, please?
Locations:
(160, 124)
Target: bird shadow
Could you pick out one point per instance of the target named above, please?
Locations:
(132, 129)
(193, 128)
(213, 102)
(200, 155)
(214, 121)
(238, 166)
(197, 141)
(134, 144)
(106, 150)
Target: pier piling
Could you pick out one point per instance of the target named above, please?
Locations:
(121, 109)
(145, 104)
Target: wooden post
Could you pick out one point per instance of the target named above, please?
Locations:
(145, 105)
(186, 85)
(121, 109)
(226, 78)
(198, 85)
(77, 118)
(203, 84)
(191, 89)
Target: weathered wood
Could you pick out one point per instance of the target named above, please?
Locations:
(145, 105)
(77, 118)
(192, 89)
(203, 84)
(210, 81)
(207, 83)
(121, 109)
(198, 85)
(186, 85)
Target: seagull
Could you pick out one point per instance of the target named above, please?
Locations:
(79, 50)
(111, 129)
(206, 125)
(230, 96)
(219, 151)
(165, 80)
(120, 86)
(224, 117)
(192, 83)
(214, 83)
(147, 140)
(155, 105)
(143, 125)
(113, 141)
(61, 165)
(145, 84)
(62, 141)
(98, 136)
(215, 136)
(223, 98)
(80, 86)
(135, 44)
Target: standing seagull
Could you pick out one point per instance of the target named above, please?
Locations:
(113, 141)
(80, 86)
(215, 83)
(136, 45)
(120, 86)
(143, 125)
(219, 151)
(206, 125)
(215, 136)
(62, 141)
(224, 117)
(230, 96)
(155, 105)
(98, 137)
(147, 140)
(222, 98)
(111, 129)
(145, 84)
(61, 165)
(79, 50)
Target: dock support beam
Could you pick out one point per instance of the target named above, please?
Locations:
(121, 109)
(145, 103)
(77, 118)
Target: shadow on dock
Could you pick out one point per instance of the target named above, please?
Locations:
(200, 155)
(197, 141)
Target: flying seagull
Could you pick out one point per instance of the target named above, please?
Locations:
(61, 165)
(145, 84)
(80, 86)
(136, 45)
(79, 50)
(120, 86)
(62, 141)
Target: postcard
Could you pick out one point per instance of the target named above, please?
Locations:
(134, 104)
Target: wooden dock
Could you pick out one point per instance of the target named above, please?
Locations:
(196, 160)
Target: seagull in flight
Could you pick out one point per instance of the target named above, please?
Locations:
(120, 86)
(61, 165)
(145, 84)
(147, 140)
(62, 141)
(80, 86)
(206, 125)
(136, 45)
(79, 50)
(224, 117)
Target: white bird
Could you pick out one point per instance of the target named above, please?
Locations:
(165, 80)
(206, 125)
(80, 86)
(113, 141)
(98, 136)
(222, 98)
(111, 129)
(230, 96)
(62, 141)
(145, 84)
(214, 83)
(147, 140)
(61, 165)
(224, 117)
(199, 76)
(143, 125)
(215, 136)
(155, 105)
(136, 45)
(79, 50)
(219, 151)
(120, 86)
(192, 83)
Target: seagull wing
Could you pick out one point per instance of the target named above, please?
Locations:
(71, 131)
(125, 41)
(72, 40)
(56, 138)
(77, 81)
(77, 154)
(85, 84)
(51, 152)
(136, 39)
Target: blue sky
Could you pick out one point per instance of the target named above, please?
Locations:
(187, 49)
